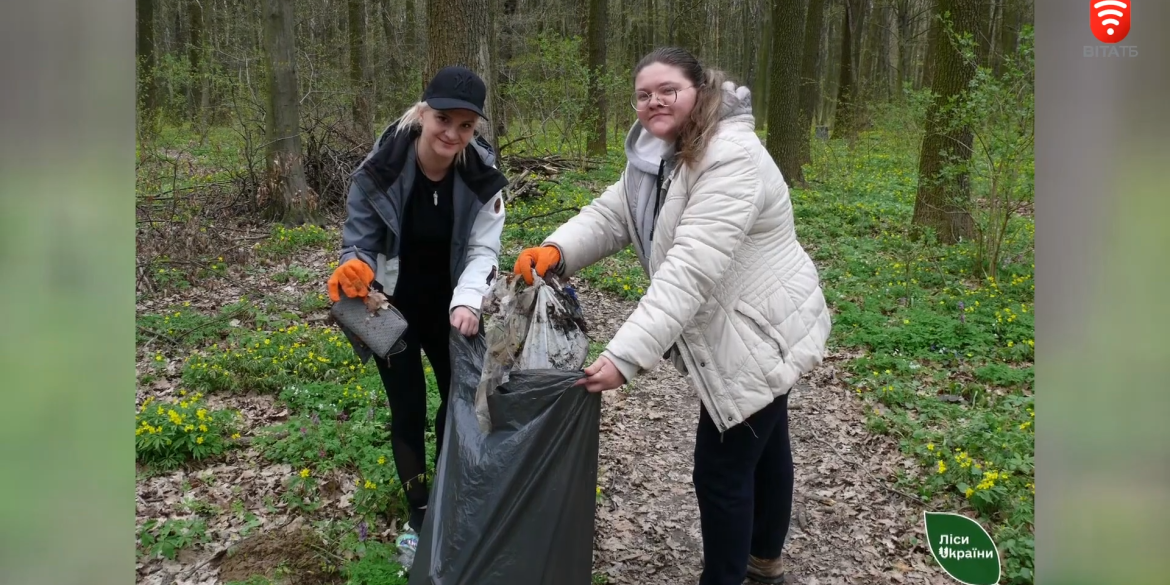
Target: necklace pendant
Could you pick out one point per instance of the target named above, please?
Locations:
(436, 198)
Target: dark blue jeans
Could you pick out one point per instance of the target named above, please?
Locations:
(743, 480)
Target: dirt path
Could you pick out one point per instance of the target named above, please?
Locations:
(849, 525)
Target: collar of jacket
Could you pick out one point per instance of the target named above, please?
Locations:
(385, 164)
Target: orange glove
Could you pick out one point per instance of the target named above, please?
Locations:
(353, 277)
(542, 258)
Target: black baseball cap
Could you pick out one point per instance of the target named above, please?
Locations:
(455, 88)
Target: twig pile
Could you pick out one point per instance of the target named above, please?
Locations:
(527, 172)
(186, 226)
(332, 153)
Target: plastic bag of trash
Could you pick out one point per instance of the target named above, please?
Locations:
(531, 328)
(513, 502)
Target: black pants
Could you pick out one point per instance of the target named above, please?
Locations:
(428, 330)
(743, 480)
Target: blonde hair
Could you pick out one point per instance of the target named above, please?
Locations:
(411, 119)
(696, 131)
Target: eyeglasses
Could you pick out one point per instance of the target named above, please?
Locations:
(666, 97)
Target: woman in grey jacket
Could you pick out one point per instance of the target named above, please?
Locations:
(734, 301)
(425, 213)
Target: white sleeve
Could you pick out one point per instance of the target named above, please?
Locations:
(483, 251)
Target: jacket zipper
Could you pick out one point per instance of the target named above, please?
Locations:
(657, 200)
(711, 401)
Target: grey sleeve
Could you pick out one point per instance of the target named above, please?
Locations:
(363, 235)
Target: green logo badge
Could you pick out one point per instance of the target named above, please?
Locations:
(963, 548)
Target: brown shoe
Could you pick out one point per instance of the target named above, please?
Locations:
(769, 571)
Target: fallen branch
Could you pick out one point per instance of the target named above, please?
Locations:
(524, 220)
(175, 341)
(514, 141)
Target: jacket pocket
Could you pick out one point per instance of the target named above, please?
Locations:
(759, 325)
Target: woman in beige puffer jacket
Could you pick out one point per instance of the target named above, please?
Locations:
(734, 301)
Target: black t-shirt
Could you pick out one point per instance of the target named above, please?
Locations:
(424, 275)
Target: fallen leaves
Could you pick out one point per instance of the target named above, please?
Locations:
(376, 301)
(847, 527)
(847, 524)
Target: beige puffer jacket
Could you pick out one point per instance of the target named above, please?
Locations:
(732, 291)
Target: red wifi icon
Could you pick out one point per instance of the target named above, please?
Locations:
(1109, 19)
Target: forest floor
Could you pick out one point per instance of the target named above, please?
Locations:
(296, 471)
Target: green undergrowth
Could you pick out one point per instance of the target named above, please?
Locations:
(531, 219)
(180, 158)
(940, 354)
(337, 426)
(943, 353)
(283, 241)
(339, 417)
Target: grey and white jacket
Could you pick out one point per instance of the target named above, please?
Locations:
(378, 191)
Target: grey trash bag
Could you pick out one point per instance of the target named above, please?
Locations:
(514, 505)
(535, 328)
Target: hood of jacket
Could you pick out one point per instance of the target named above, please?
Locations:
(645, 152)
(648, 155)
(393, 151)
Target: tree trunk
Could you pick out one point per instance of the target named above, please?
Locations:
(943, 202)
(846, 92)
(905, 48)
(421, 36)
(1009, 30)
(690, 30)
(596, 39)
(784, 131)
(982, 32)
(507, 50)
(195, 60)
(286, 195)
(763, 65)
(830, 71)
(870, 55)
(810, 86)
(655, 25)
(397, 60)
(932, 40)
(994, 27)
(147, 82)
(748, 62)
(359, 84)
(458, 33)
